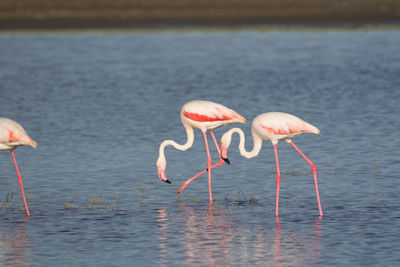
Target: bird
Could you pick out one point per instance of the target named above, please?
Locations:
(13, 135)
(205, 116)
(273, 126)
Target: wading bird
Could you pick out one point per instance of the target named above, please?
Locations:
(205, 116)
(273, 126)
(12, 135)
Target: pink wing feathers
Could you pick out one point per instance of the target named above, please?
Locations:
(13, 134)
(205, 111)
(278, 123)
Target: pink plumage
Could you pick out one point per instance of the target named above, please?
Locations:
(273, 126)
(205, 116)
(13, 135)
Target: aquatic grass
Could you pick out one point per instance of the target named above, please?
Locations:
(71, 205)
(241, 199)
(93, 202)
(99, 203)
(143, 192)
(8, 201)
(376, 170)
(183, 198)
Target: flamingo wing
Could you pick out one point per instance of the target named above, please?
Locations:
(279, 123)
(206, 111)
(13, 134)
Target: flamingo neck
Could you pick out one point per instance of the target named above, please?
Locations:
(257, 142)
(161, 162)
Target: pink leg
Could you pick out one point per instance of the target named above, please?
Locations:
(216, 143)
(221, 161)
(20, 183)
(278, 181)
(209, 164)
(314, 170)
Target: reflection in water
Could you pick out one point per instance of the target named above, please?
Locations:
(289, 246)
(212, 238)
(162, 220)
(206, 237)
(14, 248)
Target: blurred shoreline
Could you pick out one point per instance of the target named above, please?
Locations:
(28, 15)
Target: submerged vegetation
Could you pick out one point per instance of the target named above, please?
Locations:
(239, 199)
(7, 204)
(93, 202)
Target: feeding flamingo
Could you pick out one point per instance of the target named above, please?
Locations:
(273, 126)
(12, 135)
(205, 116)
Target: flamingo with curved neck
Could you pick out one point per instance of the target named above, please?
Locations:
(273, 126)
(205, 116)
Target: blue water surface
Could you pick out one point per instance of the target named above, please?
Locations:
(100, 104)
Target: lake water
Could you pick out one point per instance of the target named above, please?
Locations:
(100, 104)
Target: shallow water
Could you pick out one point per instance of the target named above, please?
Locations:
(99, 105)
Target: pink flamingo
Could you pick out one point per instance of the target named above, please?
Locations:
(205, 116)
(12, 135)
(273, 126)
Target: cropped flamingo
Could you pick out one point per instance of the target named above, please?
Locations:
(273, 126)
(205, 116)
(12, 135)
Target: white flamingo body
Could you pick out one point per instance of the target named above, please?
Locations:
(273, 126)
(205, 116)
(13, 135)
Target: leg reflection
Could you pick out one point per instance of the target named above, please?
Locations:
(294, 246)
(162, 221)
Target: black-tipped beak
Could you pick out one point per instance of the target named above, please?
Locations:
(226, 160)
(167, 181)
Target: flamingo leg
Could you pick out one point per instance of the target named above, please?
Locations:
(20, 183)
(314, 170)
(216, 143)
(221, 161)
(209, 164)
(278, 181)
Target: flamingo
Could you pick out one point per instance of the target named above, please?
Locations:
(12, 135)
(273, 126)
(205, 116)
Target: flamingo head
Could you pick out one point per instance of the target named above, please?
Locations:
(161, 175)
(225, 143)
(224, 153)
(161, 165)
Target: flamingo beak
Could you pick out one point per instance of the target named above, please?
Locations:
(224, 154)
(161, 175)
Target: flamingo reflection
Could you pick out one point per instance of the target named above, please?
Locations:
(289, 245)
(220, 236)
(14, 247)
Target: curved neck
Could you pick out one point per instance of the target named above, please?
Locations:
(257, 143)
(161, 162)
